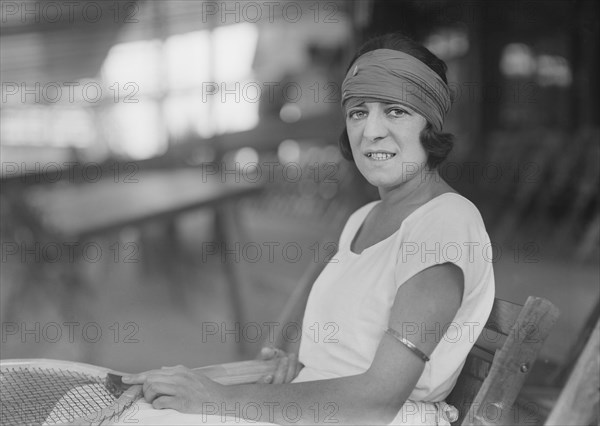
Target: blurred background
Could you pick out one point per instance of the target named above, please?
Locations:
(170, 169)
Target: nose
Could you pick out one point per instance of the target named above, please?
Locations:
(375, 127)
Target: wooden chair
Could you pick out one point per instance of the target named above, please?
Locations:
(501, 359)
(579, 401)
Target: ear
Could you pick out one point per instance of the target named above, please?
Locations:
(344, 144)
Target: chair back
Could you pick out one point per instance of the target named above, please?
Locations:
(500, 361)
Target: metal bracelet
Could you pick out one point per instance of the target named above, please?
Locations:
(407, 343)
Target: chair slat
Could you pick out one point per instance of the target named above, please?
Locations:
(512, 363)
(482, 354)
(477, 367)
(490, 341)
(503, 316)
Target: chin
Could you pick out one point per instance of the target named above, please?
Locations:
(384, 181)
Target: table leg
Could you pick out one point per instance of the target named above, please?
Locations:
(226, 224)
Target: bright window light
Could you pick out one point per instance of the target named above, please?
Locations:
(172, 78)
(187, 59)
(48, 126)
(517, 60)
(448, 43)
(288, 151)
(72, 127)
(186, 114)
(553, 71)
(234, 46)
(245, 156)
(138, 131)
(235, 106)
(137, 63)
(235, 115)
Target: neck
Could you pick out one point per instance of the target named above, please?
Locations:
(420, 188)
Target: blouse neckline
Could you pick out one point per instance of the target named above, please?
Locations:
(362, 222)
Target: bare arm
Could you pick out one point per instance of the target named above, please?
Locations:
(427, 301)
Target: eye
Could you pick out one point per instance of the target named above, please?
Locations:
(356, 114)
(397, 112)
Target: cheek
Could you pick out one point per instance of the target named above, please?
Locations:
(354, 138)
(412, 145)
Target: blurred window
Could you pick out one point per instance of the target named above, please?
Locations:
(44, 125)
(448, 43)
(518, 60)
(197, 84)
(148, 93)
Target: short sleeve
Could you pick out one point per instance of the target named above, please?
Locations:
(449, 230)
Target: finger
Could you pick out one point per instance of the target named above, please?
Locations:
(147, 375)
(174, 367)
(266, 353)
(266, 379)
(137, 379)
(154, 389)
(292, 365)
(163, 402)
(281, 371)
(269, 352)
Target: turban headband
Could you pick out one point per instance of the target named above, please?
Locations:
(393, 76)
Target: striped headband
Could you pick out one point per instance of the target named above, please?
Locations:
(394, 76)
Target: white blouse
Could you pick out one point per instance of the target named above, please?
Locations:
(349, 305)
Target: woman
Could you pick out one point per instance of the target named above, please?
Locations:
(410, 288)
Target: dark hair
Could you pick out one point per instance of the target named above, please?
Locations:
(437, 145)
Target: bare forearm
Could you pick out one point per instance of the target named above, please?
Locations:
(345, 400)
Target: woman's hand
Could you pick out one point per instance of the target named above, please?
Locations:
(287, 368)
(178, 388)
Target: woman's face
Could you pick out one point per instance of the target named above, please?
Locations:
(385, 142)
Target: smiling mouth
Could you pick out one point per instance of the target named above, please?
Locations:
(380, 156)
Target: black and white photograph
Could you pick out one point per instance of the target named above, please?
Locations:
(298, 212)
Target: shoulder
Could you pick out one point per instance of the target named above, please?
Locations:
(449, 211)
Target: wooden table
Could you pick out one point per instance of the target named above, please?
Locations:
(78, 212)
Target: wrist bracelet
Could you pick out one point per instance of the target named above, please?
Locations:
(407, 343)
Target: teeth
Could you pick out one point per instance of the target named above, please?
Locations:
(380, 156)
